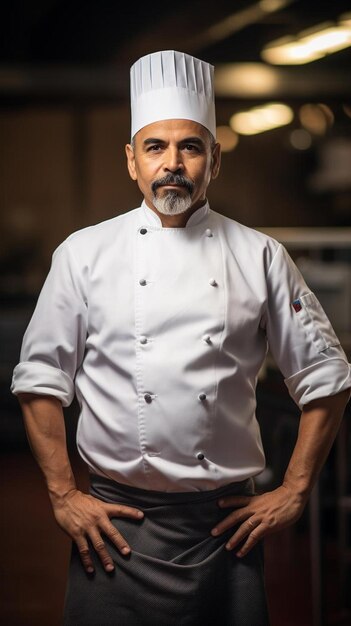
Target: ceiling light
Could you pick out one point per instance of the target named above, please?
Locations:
(261, 118)
(240, 19)
(316, 118)
(270, 6)
(345, 19)
(310, 45)
(245, 79)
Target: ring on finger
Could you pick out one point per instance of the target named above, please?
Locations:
(251, 523)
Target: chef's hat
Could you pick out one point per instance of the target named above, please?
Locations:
(172, 85)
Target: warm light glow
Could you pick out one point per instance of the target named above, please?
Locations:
(241, 18)
(245, 79)
(262, 118)
(300, 139)
(329, 115)
(227, 138)
(316, 118)
(270, 6)
(309, 46)
(345, 20)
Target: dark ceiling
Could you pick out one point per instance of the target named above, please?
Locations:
(51, 47)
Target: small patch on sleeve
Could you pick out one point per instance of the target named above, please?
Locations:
(297, 306)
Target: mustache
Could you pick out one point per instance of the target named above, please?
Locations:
(173, 179)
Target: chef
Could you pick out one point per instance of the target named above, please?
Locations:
(159, 321)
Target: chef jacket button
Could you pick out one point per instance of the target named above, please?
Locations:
(200, 456)
(143, 339)
(207, 338)
(148, 398)
(142, 281)
(143, 231)
(208, 232)
(202, 396)
(213, 282)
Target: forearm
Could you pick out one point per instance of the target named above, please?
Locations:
(257, 516)
(80, 515)
(44, 422)
(319, 424)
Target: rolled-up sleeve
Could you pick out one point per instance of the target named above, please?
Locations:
(301, 337)
(54, 342)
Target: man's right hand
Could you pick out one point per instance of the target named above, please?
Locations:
(85, 518)
(81, 516)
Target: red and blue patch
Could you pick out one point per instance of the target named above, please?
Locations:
(297, 305)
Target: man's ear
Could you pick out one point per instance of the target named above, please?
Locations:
(216, 160)
(131, 161)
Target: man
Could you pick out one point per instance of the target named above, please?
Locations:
(159, 321)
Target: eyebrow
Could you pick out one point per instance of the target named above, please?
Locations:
(196, 140)
(146, 142)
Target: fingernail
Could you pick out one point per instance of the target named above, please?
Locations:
(110, 567)
(220, 502)
(240, 553)
(125, 550)
(140, 514)
(228, 546)
(215, 531)
(90, 570)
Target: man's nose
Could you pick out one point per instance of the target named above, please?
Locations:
(173, 161)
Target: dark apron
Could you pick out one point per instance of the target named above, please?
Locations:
(177, 573)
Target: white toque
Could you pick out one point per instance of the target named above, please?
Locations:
(172, 85)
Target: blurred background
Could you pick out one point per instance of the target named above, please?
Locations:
(283, 93)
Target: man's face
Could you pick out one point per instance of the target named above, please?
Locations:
(173, 163)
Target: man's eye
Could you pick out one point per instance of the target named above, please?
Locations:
(154, 148)
(191, 147)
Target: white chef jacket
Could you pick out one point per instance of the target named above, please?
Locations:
(161, 333)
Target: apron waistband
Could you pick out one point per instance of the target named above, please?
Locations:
(112, 491)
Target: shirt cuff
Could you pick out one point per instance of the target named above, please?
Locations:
(42, 379)
(320, 380)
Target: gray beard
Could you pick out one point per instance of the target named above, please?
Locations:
(171, 203)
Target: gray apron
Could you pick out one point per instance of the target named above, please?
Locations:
(177, 573)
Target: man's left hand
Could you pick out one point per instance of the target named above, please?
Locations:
(258, 516)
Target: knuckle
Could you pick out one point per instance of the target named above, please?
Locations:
(254, 536)
(250, 541)
(99, 545)
(97, 517)
(84, 552)
(124, 511)
(77, 532)
(115, 509)
(114, 534)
